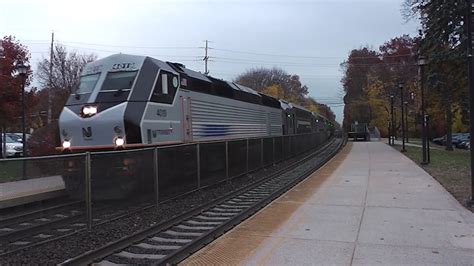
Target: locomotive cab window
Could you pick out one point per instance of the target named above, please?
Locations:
(87, 84)
(119, 81)
(165, 88)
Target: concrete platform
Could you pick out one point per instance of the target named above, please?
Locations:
(27, 191)
(369, 205)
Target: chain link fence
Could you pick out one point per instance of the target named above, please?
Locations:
(116, 181)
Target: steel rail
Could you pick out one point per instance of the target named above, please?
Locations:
(34, 214)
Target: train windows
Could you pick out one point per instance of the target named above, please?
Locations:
(119, 81)
(87, 84)
(165, 88)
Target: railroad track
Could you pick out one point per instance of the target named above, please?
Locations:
(173, 240)
(19, 226)
(53, 223)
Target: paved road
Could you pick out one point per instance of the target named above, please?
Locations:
(369, 205)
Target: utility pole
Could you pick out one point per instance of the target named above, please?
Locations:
(206, 58)
(470, 28)
(50, 96)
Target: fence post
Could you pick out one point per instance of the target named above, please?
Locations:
(226, 159)
(198, 160)
(88, 190)
(155, 173)
(247, 156)
(261, 152)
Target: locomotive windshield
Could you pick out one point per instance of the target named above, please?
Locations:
(116, 81)
(87, 84)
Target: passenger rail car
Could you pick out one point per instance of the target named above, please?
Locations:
(126, 101)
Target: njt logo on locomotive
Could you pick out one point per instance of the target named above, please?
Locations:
(87, 133)
(122, 66)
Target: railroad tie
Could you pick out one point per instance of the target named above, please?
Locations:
(129, 255)
(201, 223)
(156, 247)
(169, 240)
(181, 226)
(185, 234)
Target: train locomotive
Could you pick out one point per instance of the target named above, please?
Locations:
(127, 101)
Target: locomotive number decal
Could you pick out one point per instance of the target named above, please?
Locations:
(161, 112)
(123, 66)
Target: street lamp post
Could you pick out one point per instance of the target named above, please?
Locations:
(392, 123)
(400, 85)
(22, 71)
(421, 63)
(406, 120)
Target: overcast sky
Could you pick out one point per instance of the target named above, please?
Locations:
(308, 38)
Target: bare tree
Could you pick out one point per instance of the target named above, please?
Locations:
(67, 67)
(65, 75)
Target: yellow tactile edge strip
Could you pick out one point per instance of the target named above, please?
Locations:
(238, 244)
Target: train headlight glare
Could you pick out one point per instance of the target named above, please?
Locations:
(89, 110)
(66, 144)
(119, 141)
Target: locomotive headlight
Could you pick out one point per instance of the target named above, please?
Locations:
(119, 141)
(89, 110)
(66, 144)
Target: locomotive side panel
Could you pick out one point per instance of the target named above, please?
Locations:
(217, 118)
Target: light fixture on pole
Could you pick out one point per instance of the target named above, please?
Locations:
(421, 64)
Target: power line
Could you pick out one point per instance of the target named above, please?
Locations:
(312, 57)
(302, 64)
(111, 45)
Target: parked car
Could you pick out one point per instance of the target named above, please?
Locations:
(456, 138)
(462, 141)
(13, 147)
(19, 136)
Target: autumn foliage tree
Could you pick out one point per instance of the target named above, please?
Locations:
(13, 52)
(371, 77)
